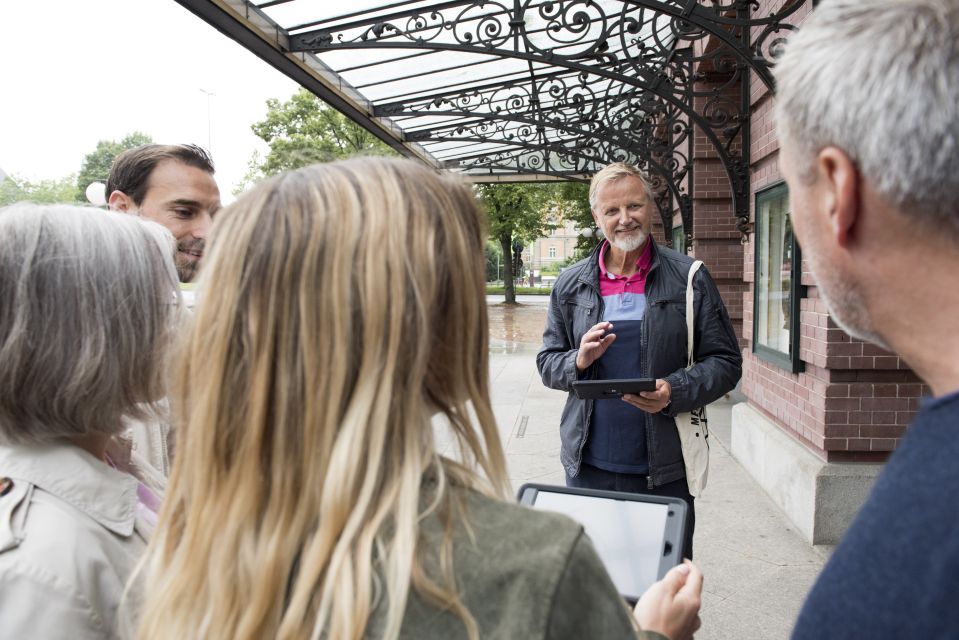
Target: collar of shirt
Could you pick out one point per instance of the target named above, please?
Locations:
(107, 495)
(642, 264)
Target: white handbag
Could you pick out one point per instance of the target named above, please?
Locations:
(692, 426)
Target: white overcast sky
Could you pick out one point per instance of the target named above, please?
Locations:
(73, 73)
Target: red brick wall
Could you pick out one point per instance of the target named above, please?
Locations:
(853, 400)
(716, 241)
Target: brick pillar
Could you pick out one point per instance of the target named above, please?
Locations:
(715, 239)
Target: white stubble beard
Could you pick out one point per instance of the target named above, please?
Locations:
(846, 304)
(631, 242)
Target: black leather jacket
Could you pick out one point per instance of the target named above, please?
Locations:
(576, 305)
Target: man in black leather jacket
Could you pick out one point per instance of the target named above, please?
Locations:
(620, 313)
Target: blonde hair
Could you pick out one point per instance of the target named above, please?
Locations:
(88, 299)
(341, 306)
(613, 172)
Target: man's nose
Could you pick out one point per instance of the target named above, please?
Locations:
(624, 219)
(202, 227)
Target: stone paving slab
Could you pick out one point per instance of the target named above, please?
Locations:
(757, 568)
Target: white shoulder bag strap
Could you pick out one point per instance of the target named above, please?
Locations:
(691, 426)
(689, 312)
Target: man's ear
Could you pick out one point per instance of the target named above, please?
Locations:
(119, 201)
(839, 178)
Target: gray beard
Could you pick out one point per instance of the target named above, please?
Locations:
(630, 243)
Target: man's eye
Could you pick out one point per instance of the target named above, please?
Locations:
(635, 205)
(183, 213)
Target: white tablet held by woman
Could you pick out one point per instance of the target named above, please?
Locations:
(639, 537)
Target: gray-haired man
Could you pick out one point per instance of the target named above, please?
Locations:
(868, 118)
(620, 313)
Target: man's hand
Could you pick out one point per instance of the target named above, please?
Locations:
(594, 344)
(671, 606)
(651, 401)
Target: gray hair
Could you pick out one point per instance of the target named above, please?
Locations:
(89, 298)
(880, 80)
(613, 172)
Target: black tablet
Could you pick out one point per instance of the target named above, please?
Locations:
(638, 537)
(611, 389)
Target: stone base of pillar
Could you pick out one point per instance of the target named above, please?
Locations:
(821, 498)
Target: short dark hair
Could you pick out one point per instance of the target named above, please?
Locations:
(131, 169)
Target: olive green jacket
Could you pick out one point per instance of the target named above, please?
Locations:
(523, 574)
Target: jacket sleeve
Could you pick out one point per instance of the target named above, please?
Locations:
(718, 362)
(586, 604)
(556, 359)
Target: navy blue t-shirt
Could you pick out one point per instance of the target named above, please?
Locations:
(617, 439)
(617, 435)
(895, 574)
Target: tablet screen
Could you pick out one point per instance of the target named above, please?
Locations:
(636, 539)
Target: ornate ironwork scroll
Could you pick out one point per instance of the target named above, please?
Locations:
(614, 80)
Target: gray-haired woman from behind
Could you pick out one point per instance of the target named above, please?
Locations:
(87, 299)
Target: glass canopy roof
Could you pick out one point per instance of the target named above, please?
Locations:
(528, 89)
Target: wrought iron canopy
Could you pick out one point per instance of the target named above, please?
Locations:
(531, 89)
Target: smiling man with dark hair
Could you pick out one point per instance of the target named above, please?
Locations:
(172, 185)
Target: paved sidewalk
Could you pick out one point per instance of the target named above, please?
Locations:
(757, 568)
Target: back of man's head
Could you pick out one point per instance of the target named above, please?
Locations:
(879, 79)
(131, 169)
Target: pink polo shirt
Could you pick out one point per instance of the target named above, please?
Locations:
(611, 284)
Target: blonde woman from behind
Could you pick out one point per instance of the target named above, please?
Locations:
(341, 308)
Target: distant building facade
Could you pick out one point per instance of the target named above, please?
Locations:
(551, 250)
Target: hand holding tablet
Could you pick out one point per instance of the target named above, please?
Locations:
(671, 606)
(611, 389)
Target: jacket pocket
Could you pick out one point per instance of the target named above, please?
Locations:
(584, 304)
(583, 313)
(671, 303)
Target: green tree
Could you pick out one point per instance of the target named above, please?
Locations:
(96, 164)
(517, 215)
(494, 260)
(572, 198)
(16, 189)
(303, 131)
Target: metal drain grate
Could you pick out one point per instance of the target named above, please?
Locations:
(521, 430)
